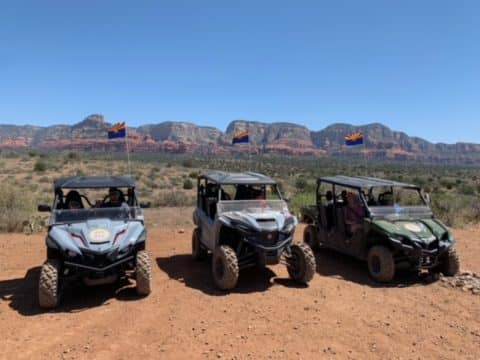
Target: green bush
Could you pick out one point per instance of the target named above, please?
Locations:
(466, 189)
(73, 156)
(301, 184)
(188, 163)
(301, 199)
(453, 209)
(40, 166)
(188, 184)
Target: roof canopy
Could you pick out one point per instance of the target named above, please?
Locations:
(364, 182)
(225, 178)
(83, 182)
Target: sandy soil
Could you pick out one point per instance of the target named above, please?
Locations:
(341, 314)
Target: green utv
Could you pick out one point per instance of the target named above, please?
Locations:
(387, 223)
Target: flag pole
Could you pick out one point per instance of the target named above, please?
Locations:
(365, 154)
(128, 151)
(249, 149)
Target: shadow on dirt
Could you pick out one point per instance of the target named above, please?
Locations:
(22, 294)
(334, 264)
(197, 275)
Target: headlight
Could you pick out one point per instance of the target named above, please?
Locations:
(446, 236)
(288, 228)
(400, 239)
(142, 237)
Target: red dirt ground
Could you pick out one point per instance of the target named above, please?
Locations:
(342, 313)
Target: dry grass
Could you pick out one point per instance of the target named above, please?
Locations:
(161, 179)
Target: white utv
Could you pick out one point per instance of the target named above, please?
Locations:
(243, 221)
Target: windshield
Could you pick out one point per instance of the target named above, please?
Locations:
(252, 206)
(394, 197)
(78, 215)
(94, 198)
(76, 205)
(397, 202)
(250, 192)
(397, 212)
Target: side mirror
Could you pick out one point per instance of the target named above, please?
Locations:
(287, 200)
(44, 208)
(145, 205)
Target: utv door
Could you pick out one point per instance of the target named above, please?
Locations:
(330, 218)
(208, 206)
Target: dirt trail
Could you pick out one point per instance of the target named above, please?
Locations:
(342, 314)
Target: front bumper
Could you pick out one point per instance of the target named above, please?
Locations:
(103, 263)
(269, 253)
(420, 255)
(99, 269)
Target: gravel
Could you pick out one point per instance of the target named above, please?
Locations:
(466, 281)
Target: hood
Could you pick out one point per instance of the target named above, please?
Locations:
(424, 230)
(99, 235)
(267, 220)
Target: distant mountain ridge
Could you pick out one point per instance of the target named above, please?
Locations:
(282, 138)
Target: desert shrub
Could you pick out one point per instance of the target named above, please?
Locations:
(80, 172)
(44, 179)
(420, 181)
(188, 184)
(299, 200)
(447, 183)
(73, 156)
(453, 209)
(16, 207)
(193, 175)
(300, 184)
(188, 163)
(11, 155)
(466, 189)
(40, 166)
(174, 181)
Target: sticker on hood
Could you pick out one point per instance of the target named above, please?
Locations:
(413, 227)
(99, 235)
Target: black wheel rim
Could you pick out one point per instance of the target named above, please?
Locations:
(294, 264)
(309, 239)
(219, 268)
(376, 266)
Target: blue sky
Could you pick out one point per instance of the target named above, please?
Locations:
(412, 65)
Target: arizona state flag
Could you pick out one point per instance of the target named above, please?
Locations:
(241, 137)
(355, 138)
(118, 130)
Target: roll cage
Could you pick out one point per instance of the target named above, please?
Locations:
(211, 189)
